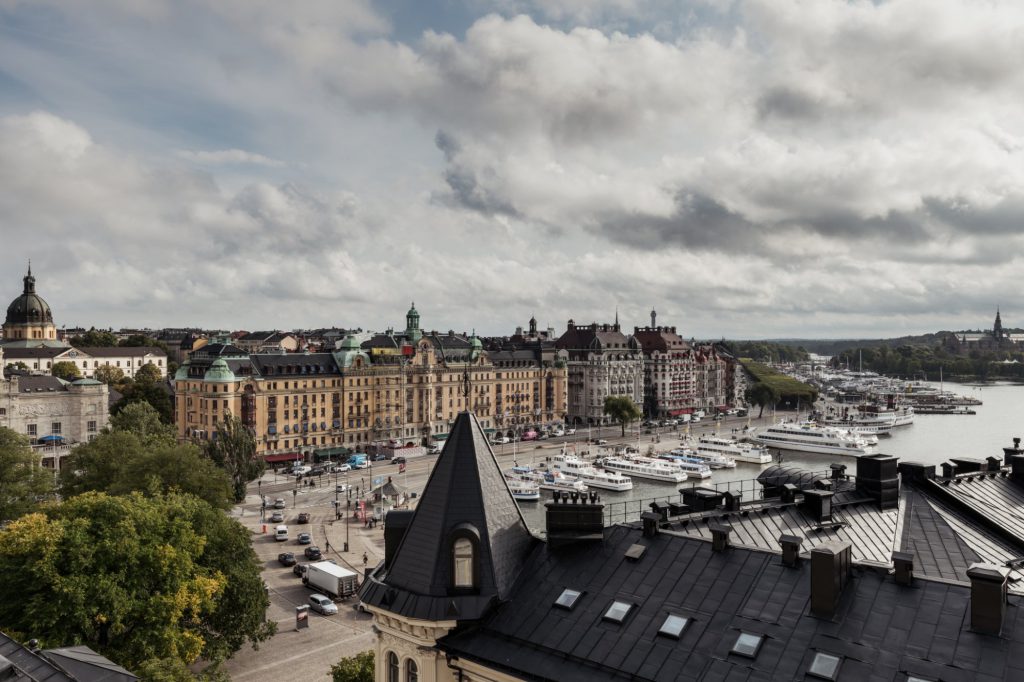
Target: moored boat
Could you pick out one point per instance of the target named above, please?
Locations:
(810, 437)
(654, 470)
(737, 450)
(596, 478)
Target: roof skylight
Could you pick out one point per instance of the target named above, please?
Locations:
(618, 611)
(568, 598)
(824, 666)
(747, 644)
(674, 626)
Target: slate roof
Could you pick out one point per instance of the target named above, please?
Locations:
(85, 664)
(15, 353)
(294, 365)
(882, 631)
(40, 384)
(68, 664)
(123, 351)
(465, 487)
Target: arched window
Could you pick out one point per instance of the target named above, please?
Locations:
(392, 667)
(412, 673)
(462, 561)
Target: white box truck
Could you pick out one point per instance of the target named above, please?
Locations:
(330, 579)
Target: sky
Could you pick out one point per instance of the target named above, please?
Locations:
(747, 168)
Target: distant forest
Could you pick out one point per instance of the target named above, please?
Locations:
(768, 351)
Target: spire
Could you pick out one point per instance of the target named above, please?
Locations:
(29, 280)
(466, 497)
(616, 318)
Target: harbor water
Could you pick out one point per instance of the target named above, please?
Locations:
(932, 438)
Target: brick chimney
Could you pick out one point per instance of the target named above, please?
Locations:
(988, 597)
(1017, 468)
(915, 472)
(830, 571)
(1010, 452)
(790, 550)
(720, 536)
(818, 503)
(877, 477)
(903, 564)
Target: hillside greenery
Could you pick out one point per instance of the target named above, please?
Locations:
(767, 351)
(925, 362)
(788, 389)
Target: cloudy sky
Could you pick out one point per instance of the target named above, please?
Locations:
(749, 168)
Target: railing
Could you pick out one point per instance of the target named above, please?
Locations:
(630, 510)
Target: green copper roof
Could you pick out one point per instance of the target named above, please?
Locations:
(219, 372)
(86, 382)
(182, 373)
(349, 343)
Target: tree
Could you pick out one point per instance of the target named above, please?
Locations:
(143, 392)
(621, 409)
(16, 365)
(358, 668)
(94, 339)
(148, 373)
(68, 371)
(762, 394)
(138, 453)
(23, 481)
(136, 578)
(108, 374)
(233, 448)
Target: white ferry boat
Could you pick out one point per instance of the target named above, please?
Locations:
(573, 466)
(712, 459)
(866, 427)
(694, 468)
(526, 491)
(652, 469)
(547, 480)
(809, 437)
(734, 449)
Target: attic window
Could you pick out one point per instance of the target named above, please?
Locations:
(824, 666)
(567, 600)
(747, 644)
(914, 678)
(673, 626)
(618, 611)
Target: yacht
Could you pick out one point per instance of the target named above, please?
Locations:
(715, 460)
(573, 466)
(734, 449)
(866, 427)
(694, 468)
(526, 491)
(547, 480)
(653, 469)
(809, 437)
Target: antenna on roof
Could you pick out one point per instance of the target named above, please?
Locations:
(466, 385)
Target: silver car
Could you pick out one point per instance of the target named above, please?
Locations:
(322, 604)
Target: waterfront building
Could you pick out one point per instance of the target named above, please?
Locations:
(784, 586)
(601, 362)
(670, 379)
(372, 389)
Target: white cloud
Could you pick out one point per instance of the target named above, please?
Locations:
(228, 156)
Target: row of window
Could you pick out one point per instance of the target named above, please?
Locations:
(394, 669)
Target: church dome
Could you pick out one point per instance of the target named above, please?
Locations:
(29, 308)
(219, 372)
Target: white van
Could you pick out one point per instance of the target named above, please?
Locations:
(281, 533)
(301, 470)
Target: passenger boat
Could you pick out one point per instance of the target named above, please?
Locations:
(526, 491)
(810, 437)
(694, 468)
(712, 459)
(732, 448)
(651, 469)
(867, 427)
(573, 466)
(547, 480)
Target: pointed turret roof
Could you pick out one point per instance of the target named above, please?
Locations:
(466, 493)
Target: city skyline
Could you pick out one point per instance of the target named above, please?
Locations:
(749, 169)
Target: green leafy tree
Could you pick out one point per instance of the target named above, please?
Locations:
(622, 409)
(16, 365)
(153, 393)
(233, 448)
(94, 339)
(66, 370)
(141, 340)
(138, 453)
(108, 374)
(148, 373)
(23, 481)
(762, 394)
(175, 670)
(136, 578)
(358, 668)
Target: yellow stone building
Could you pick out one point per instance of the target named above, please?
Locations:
(392, 387)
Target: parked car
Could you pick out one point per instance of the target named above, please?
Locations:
(600, 441)
(286, 558)
(379, 457)
(299, 569)
(277, 517)
(501, 440)
(340, 469)
(398, 460)
(279, 503)
(341, 487)
(434, 449)
(316, 471)
(304, 539)
(322, 604)
(304, 517)
(570, 432)
(543, 436)
(313, 553)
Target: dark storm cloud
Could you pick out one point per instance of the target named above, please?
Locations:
(466, 190)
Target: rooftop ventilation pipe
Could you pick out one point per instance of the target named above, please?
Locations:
(830, 571)
(916, 472)
(650, 521)
(578, 519)
(903, 563)
(1010, 452)
(988, 597)
(1017, 468)
(818, 503)
(878, 478)
(790, 550)
(949, 469)
(720, 537)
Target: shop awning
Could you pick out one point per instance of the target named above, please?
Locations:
(685, 410)
(285, 457)
(440, 436)
(51, 439)
(488, 430)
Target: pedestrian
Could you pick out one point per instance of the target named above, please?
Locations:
(366, 559)
(327, 545)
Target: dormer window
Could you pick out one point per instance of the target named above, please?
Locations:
(462, 556)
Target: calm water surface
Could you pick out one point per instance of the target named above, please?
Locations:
(932, 438)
